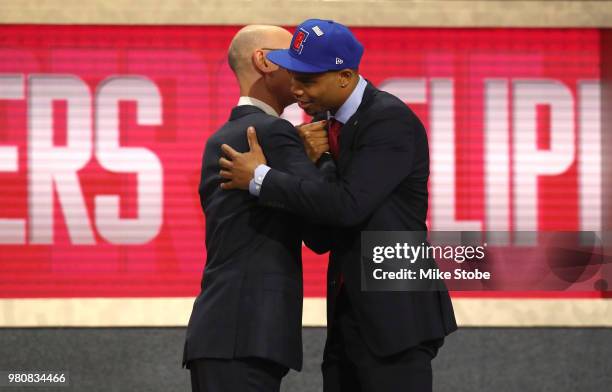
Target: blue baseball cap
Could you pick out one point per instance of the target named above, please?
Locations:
(319, 46)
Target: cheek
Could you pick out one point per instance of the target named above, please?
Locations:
(324, 98)
(315, 94)
(287, 79)
(282, 86)
(285, 86)
(281, 78)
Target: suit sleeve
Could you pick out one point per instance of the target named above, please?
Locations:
(284, 150)
(327, 167)
(382, 159)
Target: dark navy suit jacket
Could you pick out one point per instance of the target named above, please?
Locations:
(383, 169)
(250, 304)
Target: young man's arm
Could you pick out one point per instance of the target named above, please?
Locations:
(383, 157)
(285, 150)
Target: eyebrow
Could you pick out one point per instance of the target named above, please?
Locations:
(305, 77)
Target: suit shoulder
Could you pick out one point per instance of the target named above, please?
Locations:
(281, 125)
(236, 127)
(263, 118)
(387, 106)
(266, 124)
(275, 130)
(389, 117)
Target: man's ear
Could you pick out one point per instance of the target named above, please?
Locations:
(345, 77)
(261, 63)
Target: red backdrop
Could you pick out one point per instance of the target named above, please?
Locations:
(102, 131)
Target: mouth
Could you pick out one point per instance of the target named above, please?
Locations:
(303, 104)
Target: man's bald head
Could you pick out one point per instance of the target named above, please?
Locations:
(251, 38)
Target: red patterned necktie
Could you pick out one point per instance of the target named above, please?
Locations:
(333, 133)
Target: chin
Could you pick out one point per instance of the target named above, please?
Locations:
(312, 111)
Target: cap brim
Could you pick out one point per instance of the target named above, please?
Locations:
(284, 59)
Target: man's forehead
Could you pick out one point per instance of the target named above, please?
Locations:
(307, 76)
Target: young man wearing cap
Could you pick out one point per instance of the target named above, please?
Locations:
(377, 341)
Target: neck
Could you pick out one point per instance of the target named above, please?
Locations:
(258, 90)
(346, 93)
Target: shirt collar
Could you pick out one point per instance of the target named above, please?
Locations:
(258, 103)
(349, 107)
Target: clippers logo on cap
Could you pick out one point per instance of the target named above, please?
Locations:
(298, 41)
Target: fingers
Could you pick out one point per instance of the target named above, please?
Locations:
(318, 139)
(316, 134)
(252, 139)
(228, 185)
(313, 126)
(225, 174)
(229, 152)
(317, 142)
(226, 163)
(306, 130)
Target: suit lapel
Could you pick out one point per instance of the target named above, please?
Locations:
(352, 126)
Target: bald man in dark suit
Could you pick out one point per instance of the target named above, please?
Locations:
(245, 329)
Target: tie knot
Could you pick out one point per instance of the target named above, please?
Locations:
(335, 123)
